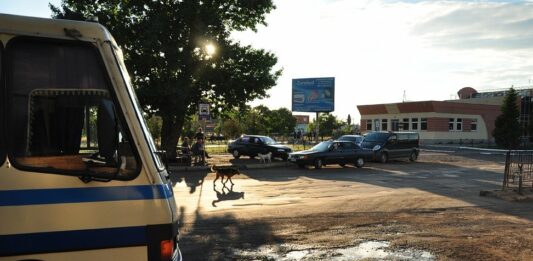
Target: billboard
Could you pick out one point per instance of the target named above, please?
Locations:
(313, 94)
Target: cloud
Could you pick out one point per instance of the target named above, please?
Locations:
(498, 26)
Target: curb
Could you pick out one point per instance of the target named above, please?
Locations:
(240, 167)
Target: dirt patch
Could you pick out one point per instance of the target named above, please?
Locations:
(444, 234)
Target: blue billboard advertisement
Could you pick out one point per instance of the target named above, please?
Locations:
(313, 94)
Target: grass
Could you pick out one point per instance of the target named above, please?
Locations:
(223, 148)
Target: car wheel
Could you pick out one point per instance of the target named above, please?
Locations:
(359, 162)
(236, 154)
(384, 157)
(413, 157)
(342, 164)
(285, 158)
(318, 164)
(302, 166)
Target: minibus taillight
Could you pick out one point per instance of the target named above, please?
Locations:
(167, 249)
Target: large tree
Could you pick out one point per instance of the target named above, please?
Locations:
(180, 53)
(507, 127)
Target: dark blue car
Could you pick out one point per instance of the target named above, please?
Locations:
(332, 152)
(251, 145)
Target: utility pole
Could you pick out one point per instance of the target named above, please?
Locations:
(317, 127)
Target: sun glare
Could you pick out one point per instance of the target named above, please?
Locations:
(210, 49)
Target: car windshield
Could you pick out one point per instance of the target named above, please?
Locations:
(268, 140)
(375, 137)
(322, 146)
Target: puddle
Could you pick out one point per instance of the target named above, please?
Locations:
(380, 250)
(369, 250)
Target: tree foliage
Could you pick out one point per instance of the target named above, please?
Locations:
(231, 128)
(259, 120)
(507, 127)
(164, 45)
(329, 126)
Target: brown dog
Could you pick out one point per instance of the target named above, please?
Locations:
(224, 171)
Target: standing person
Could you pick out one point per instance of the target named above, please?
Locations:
(199, 134)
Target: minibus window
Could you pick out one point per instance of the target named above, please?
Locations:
(61, 112)
(137, 106)
(2, 104)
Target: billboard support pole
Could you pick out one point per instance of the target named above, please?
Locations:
(317, 127)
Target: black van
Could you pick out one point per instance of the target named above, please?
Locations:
(392, 145)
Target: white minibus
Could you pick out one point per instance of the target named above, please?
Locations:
(80, 177)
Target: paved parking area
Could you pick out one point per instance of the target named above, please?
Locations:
(432, 205)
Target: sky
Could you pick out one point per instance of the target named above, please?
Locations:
(386, 51)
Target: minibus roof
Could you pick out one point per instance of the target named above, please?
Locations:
(53, 28)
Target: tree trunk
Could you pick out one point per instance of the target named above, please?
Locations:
(170, 132)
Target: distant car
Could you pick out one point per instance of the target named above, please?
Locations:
(332, 152)
(353, 138)
(251, 145)
(392, 145)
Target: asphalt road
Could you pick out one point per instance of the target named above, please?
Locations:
(294, 214)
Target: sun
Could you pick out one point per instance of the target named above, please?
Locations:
(210, 49)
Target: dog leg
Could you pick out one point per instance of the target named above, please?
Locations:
(223, 182)
(215, 179)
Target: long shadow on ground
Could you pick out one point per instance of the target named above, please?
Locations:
(215, 238)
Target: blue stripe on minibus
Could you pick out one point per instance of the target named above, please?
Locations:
(50, 242)
(86, 194)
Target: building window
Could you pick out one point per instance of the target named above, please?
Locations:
(455, 124)
(414, 123)
(473, 125)
(376, 125)
(395, 125)
(368, 125)
(405, 123)
(384, 126)
(450, 124)
(423, 124)
(459, 124)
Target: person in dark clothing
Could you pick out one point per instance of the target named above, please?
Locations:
(199, 134)
(200, 138)
(198, 150)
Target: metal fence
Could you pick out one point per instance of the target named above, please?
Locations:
(518, 170)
